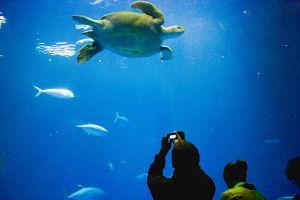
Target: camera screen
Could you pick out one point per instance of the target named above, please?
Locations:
(174, 136)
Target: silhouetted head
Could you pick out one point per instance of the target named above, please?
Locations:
(293, 170)
(185, 156)
(181, 134)
(235, 172)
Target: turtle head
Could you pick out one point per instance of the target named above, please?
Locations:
(172, 32)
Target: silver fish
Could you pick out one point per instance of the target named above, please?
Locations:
(94, 129)
(272, 141)
(58, 93)
(120, 117)
(87, 193)
(96, 2)
(110, 166)
(141, 176)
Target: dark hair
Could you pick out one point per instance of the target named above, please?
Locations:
(293, 169)
(185, 155)
(235, 172)
(181, 134)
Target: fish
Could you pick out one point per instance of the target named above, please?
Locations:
(120, 117)
(123, 162)
(141, 176)
(2, 19)
(94, 129)
(96, 2)
(247, 12)
(87, 193)
(222, 26)
(286, 198)
(272, 141)
(110, 166)
(58, 93)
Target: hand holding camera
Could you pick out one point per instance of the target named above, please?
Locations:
(165, 144)
(173, 136)
(176, 136)
(167, 140)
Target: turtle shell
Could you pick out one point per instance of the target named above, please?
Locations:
(129, 34)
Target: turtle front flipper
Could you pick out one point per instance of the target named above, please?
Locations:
(166, 53)
(88, 51)
(87, 21)
(149, 9)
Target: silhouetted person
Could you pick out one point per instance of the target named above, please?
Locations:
(235, 176)
(189, 181)
(292, 172)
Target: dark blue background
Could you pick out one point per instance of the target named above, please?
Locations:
(233, 84)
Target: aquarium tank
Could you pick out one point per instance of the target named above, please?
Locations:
(84, 114)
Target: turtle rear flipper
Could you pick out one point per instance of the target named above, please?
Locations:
(149, 9)
(88, 51)
(166, 53)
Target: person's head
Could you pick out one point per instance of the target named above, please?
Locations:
(180, 136)
(185, 156)
(235, 172)
(293, 170)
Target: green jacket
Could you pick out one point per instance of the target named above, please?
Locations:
(242, 191)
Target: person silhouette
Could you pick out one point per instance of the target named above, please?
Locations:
(235, 176)
(292, 173)
(189, 181)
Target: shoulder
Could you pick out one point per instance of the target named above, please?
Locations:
(242, 193)
(225, 195)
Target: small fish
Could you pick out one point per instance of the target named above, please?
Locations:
(272, 141)
(94, 129)
(110, 166)
(2, 20)
(120, 117)
(141, 176)
(58, 93)
(222, 26)
(285, 198)
(123, 162)
(247, 12)
(87, 193)
(96, 2)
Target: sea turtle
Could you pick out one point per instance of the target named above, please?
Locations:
(129, 34)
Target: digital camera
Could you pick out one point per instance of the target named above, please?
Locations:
(173, 136)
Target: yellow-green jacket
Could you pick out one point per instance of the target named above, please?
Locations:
(242, 191)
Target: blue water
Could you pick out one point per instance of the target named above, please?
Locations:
(232, 86)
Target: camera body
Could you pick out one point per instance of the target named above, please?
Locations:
(177, 134)
(173, 136)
